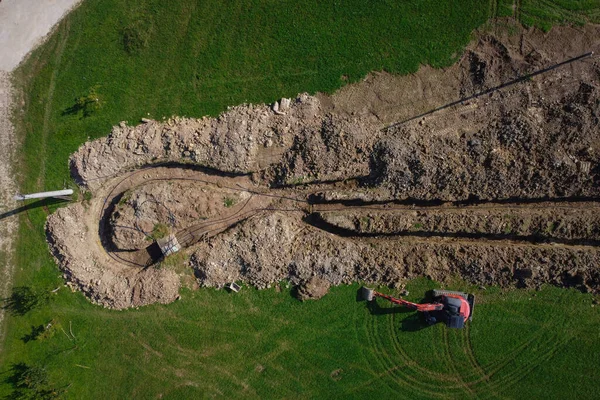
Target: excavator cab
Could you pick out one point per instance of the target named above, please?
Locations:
(457, 308)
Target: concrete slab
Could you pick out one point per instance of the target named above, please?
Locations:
(24, 24)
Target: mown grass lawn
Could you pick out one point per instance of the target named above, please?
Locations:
(156, 58)
(521, 344)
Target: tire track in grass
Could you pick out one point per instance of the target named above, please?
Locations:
(564, 12)
(484, 377)
(503, 381)
(454, 382)
(362, 336)
(517, 10)
(495, 366)
(452, 364)
(64, 34)
(397, 374)
(387, 369)
(412, 371)
(493, 13)
(495, 386)
(430, 387)
(477, 368)
(493, 9)
(552, 346)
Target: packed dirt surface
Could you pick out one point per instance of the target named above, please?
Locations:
(176, 204)
(8, 206)
(24, 24)
(498, 185)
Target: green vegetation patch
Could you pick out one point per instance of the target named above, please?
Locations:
(159, 231)
(117, 60)
(268, 344)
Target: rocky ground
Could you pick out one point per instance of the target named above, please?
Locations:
(176, 204)
(8, 206)
(501, 187)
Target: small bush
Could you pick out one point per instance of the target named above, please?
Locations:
(31, 382)
(159, 231)
(136, 35)
(41, 332)
(86, 105)
(28, 377)
(228, 202)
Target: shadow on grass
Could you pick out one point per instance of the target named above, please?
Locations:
(413, 323)
(30, 206)
(30, 382)
(36, 332)
(72, 110)
(22, 300)
(18, 375)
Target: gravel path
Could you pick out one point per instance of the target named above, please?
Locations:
(23, 26)
(8, 223)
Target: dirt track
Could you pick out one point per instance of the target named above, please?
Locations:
(502, 188)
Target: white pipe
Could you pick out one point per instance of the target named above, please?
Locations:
(42, 195)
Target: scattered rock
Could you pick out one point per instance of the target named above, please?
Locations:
(336, 375)
(313, 289)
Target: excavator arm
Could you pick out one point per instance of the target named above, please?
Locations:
(407, 304)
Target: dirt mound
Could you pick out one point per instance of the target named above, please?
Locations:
(173, 203)
(313, 289)
(103, 280)
(320, 187)
(263, 251)
(271, 248)
(540, 221)
(507, 155)
(241, 140)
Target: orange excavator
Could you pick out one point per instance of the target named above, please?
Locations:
(452, 308)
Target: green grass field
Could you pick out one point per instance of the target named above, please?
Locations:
(267, 344)
(195, 58)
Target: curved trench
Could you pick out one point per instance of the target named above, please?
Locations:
(311, 206)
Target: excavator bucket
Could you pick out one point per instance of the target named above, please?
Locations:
(367, 294)
(440, 292)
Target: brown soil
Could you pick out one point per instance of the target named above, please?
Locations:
(313, 289)
(8, 206)
(501, 188)
(568, 223)
(177, 204)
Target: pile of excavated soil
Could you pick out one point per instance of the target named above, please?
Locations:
(531, 141)
(265, 250)
(244, 139)
(313, 289)
(172, 203)
(102, 279)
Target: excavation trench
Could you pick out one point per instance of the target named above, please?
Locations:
(501, 188)
(349, 218)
